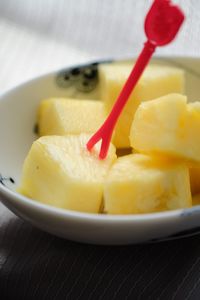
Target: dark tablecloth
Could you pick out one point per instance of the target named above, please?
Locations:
(36, 265)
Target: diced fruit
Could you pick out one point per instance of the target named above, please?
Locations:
(196, 199)
(156, 81)
(138, 183)
(60, 171)
(60, 116)
(195, 180)
(168, 126)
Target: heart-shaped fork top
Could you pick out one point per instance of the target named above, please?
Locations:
(163, 22)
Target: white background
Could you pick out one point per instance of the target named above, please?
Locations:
(42, 35)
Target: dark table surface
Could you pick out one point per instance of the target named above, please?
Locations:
(36, 265)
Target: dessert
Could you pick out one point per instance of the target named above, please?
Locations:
(59, 171)
(162, 171)
(139, 183)
(168, 126)
(156, 81)
(69, 172)
(61, 116)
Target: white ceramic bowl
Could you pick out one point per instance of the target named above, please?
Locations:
(17, 121)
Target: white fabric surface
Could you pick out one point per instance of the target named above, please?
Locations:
(41, 35)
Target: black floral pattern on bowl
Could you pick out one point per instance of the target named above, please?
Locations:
(83, 78)
(3, 180)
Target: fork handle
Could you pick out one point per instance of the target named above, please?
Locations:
(131, 82)
(104, 133)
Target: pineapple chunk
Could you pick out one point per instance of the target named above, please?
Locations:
(60, 116)
(156, 81)
(60, 171)
(138, 183)
(168, 126)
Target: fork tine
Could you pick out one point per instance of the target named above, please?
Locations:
(104, 148)
(93, 140)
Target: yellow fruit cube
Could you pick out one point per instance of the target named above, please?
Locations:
(60, 171)
(156, 81)
(138, 183)
(168, 126)
(60, 116)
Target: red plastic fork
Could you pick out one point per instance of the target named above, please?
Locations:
(162, 23)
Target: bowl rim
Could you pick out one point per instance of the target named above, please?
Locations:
(46, 208)
(164, 58)
(108, 218)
